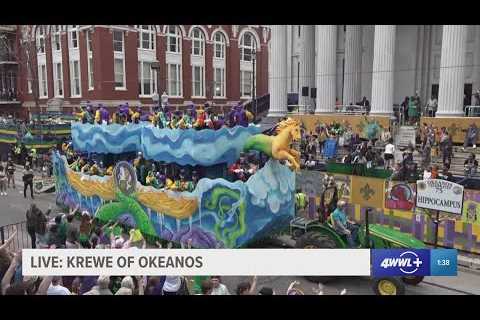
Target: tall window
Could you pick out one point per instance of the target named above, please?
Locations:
(198, 42)
(147, 79)
(41, 40)
(174, 80)
(73, 36)
(119, 60)
(219, 82)
(146, 37)
(219, 45)
(75, 78)
(246, 83)
(174, 39)
(90, 60)
(247, 44)
(247, 47)
(29, 78)
(58, 79)
(119, 74)
(56, 44)
(198, 81)
(42, 81)
(118, 44)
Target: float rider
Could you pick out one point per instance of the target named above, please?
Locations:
(151, 180)
(94, 170)
(201, 116)
(109, 171)
(136, 115)
(139, 164)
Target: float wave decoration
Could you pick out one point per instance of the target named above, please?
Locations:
(184, 147)
(112, 138)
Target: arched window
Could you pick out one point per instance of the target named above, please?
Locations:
(55, 35)
(174, 37)
(219, 45)
(147, 77)
(247, 46)
(198, 42)
(41, 39)
(73, 36)
(146, 37)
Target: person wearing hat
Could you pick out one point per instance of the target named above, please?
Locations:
(343, 225)
(135, 115)
(201, 117)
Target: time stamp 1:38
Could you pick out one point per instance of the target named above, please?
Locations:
(443, 262)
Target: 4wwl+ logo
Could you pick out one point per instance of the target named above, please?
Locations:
(408, 263)
(398, 262)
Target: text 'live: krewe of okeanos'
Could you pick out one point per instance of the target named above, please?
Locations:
(82, 262)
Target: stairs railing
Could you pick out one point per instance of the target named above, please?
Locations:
(259, 106)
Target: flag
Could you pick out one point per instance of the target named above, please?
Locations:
(368, 192)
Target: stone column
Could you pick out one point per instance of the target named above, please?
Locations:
(326, 42)
(383, 73)
(452, 71)
(307, 63)
(278, 72)
(353, 64)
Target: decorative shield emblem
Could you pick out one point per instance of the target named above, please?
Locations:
(125, 177)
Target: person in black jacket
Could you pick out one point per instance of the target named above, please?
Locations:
(28, 181)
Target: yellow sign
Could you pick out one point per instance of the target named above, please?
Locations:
(355, 121)
(368, 192)
(456, 126)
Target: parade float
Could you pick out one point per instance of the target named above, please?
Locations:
(38, 136)
(217, 214)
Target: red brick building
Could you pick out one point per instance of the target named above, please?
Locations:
(112, 64)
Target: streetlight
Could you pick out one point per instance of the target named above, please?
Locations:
(254, 59)
(156, 66)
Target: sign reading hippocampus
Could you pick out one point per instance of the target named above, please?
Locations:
(440, 195)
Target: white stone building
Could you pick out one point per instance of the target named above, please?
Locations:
(384, 63)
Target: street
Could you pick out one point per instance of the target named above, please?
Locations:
(14, 206)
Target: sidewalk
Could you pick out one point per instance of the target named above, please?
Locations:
(470, 261)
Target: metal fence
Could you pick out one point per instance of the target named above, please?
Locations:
(20, 241)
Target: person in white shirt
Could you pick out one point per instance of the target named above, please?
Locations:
(432, 107)
(310, 164)
(389, 154)
(219, 289)
(56, 288)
